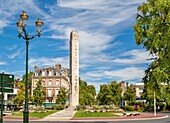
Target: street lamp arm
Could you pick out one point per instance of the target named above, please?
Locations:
(26, 36)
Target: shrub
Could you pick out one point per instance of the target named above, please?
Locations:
(149, 108)
(58, 107)
(81, 107)
(128, 108)
(162, 106)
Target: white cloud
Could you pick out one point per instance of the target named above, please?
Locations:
(98, 77)
(2, 25)
(17, 53)
(8, 10)
(3, 63)
(93, 20)
(48, 62)
(129, 73)
(12, 47)
(95, 4)
(136, 57)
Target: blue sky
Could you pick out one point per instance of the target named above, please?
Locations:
(107, 46)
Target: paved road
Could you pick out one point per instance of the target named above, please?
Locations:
(164, 120)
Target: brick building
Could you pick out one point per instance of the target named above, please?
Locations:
(52, 78)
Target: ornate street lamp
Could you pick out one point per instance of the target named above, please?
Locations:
(21, 24)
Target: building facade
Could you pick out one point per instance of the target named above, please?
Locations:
(53, 79)
(138, 87)
(74, 69)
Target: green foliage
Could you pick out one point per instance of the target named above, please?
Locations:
(161, 105)
(29, 79)
(39, 93)
(86, 93)
(104, 96)
(152, 30)
(61, 96)
(92, 114)
(130, 94)
(58, 107)
(19, 99)
(127, 108)
(109, 93)
(81, 107)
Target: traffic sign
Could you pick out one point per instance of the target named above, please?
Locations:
(7, 84)
(7, 81)
(8, 78)
(7, 90)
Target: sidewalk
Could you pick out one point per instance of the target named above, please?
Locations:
(63, 115)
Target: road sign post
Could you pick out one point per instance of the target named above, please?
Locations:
(2, 97)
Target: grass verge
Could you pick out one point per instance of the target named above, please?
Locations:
(94, 114)
(35, 114)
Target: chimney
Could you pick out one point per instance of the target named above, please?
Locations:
(58, 66)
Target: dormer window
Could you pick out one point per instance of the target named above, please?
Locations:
(47, 73)
(40, 74)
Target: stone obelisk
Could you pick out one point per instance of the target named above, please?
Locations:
(74, 69)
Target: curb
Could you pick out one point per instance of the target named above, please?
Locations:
(119, 119)
(89, 119)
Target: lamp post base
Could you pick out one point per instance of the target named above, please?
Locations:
(26, 116)
(1, 120)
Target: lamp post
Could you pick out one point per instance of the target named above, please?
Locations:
(21, 24)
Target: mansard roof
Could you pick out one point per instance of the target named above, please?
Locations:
(58, 70)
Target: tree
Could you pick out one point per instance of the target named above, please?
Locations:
(29, 79)
(130, 94)
(87, 93)
(62, 96)
(116, 90)
(39, 93)
(152, 30)
(109, 93)
(19, 99)
(104, 96)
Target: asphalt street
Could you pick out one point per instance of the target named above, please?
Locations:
(163, 120)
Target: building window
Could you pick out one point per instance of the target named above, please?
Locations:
(56, 92)
(50, 93)
(50, 82)
(35, 83)
(57, 83)
(43, 83)
(36, 74)
(51, 73)
(43, 73)
(140, 89)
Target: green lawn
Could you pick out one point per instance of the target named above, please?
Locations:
(37, 115)
(94, 114)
